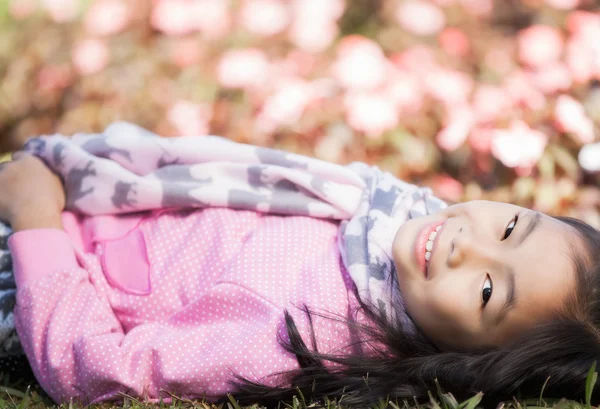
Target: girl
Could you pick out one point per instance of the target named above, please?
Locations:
(201, 267)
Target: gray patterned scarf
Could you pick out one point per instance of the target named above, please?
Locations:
(127, 168)
(9, 342)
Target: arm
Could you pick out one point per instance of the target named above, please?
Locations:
(78, 348)
(73, 340)
(36, 220)
(64, 324)
(31, 196)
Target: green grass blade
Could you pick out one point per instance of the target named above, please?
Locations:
(440, 394)
(590, 382)
(471, 403)
(433, 402)
(541, 399)
(12, 392)
(26, 400)
(234, 402)
(449, 400)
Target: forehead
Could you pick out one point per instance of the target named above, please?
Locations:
(545, 273)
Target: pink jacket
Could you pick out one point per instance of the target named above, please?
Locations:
(173, 301)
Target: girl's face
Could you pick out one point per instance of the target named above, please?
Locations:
(494, 270)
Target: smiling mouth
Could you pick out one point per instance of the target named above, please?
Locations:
(429, 247)
(425, 245)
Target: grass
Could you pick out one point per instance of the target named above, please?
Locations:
(26, 393)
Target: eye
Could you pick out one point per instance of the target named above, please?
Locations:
(510, 227)
(486, 293)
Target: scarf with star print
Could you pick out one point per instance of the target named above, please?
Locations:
(128, 169)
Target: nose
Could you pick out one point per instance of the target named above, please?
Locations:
(467, 246)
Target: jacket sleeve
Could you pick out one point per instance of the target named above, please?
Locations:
(78, 349)
(59, 317)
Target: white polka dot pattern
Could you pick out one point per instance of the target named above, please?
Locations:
(220, 278)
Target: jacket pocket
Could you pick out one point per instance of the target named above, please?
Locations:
(125, 263)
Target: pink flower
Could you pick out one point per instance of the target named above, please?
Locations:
(589, 157)
(264, 17)
(405, 90)
(185, 52)
(54, 77)
(490, 102)
(447, 188)
(314, 27)
(318, 9)
(563, 4)
(311, 36)
(551, 78)
(570, 117)
(243, 68)
(178, 17)
(481, 139)
(521, 91)
(583, 48)
(420, 18)
(459, 123)
(360, 63)
(479, 8)
(370, 113)
(540, 45)
(449, 87)
(61, 11)
(90, 56)
(444, 3)
(300, 62)
(190, 119)
(418, 60)
(454, 42)
(211, 17)
(287, 104)
(519, 146)
(172, 17)
(106, 17)
(21, 9)
(584, 23)
(580, 60)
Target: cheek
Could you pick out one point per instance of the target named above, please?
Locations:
(426, 304)
(437, 310)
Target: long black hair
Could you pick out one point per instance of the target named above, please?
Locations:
(554, 356)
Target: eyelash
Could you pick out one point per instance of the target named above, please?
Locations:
(506, 233)
(486, 293)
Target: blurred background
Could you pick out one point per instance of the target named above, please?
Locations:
(478, 99)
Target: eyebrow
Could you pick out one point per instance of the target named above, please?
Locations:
(533, 222)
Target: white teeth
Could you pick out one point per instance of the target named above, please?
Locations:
(429, 244)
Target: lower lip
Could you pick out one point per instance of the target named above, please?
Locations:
(420, 244)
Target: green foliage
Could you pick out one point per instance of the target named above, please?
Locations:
(590, 383)
(15, 398)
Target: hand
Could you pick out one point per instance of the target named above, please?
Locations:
(31, 195)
